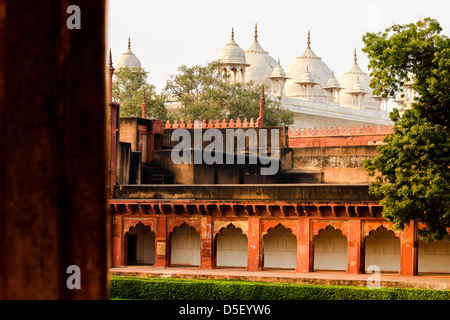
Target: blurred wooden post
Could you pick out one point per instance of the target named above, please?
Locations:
(53, 166)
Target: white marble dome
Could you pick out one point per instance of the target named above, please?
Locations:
(261, 63)
(332, 82)
(307, 77)
(349, 81)
(318, 69)
(232, 53)
(128, 59)
(278, 71)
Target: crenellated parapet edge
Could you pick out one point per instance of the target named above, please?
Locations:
(341, 131)
(211, 124)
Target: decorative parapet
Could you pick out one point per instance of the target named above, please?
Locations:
(211, 124)
(333, 131)
(340, 131)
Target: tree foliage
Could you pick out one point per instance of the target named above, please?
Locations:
(203, 94)
(416, 48)
(129, 86)
(412, 168)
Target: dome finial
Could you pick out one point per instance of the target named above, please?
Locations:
(309, 40)
(279, 62)
(355, 58)
(129, 43)
(232, 33)
(256, 31)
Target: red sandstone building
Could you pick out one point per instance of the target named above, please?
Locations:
(314, 214)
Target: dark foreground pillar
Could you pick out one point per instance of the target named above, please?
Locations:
(53, 183)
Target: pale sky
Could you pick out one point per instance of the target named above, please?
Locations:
(166, 34)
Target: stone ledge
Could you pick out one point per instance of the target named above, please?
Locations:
(273, 192)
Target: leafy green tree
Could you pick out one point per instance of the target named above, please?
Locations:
(412, 168)
(129, 86)
(203, 94)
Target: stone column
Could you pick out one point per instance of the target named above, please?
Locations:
(408, 250)
(117, 242)
(254, 244)
(113, 143)
(206, 243)
(305, 257)
(354, 256)
(161, 260)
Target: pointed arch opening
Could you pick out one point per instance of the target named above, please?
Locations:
(231, 247)
(382, 248)
(330, 250)
(140, 245)
(280, 248)
(184, 246)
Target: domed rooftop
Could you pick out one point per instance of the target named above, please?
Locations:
(278, 71)
(353, 79)
(128, 59)
(332, 82)
(357, 87)
(261, 63)
(232, 53)
(307, 78)
(318, 69)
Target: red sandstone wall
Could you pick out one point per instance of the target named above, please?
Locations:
(343, 136)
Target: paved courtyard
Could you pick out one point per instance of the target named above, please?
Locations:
(427, 281)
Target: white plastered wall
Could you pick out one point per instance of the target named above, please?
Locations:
(434, 256)
(280, 248)
(185, 246)
(330, 250)
(382, 248)
(232, 247)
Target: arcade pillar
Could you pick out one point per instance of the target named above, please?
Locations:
(408, 250)
(206, 243)
(254, 244)
(161, 259)
(354, 255)
(304, 246)
(117, 241)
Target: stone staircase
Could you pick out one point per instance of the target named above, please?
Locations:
(151, 174)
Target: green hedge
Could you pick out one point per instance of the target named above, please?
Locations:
(185, 289)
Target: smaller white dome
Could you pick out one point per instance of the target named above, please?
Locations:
(356, 81)
(307, 77)
(128, 59)
(357, 87)
(319, 70)
(278, 71)
(332, 82)
(232, 53)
